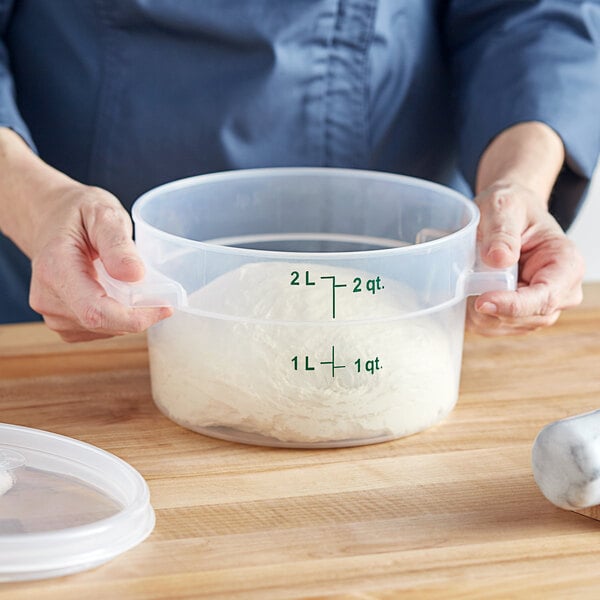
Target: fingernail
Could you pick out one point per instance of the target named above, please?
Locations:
(130, 259)
(499, 246)
(488, 307)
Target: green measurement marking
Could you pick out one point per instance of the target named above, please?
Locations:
(332, 362)
(334, 285)
(359, 285)
(369, 366)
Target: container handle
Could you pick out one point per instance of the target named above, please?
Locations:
(482, 278)
(154, 291)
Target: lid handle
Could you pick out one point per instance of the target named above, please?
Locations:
(10, 459)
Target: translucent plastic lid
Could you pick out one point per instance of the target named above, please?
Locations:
(65, 506)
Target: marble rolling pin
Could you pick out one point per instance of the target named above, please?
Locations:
(566, 463)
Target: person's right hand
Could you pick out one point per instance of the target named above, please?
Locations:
(79, 224)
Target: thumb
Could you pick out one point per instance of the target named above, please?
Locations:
(503, 220)
(110, 231)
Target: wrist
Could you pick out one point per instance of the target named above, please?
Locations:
(528, 154)
(26, 189)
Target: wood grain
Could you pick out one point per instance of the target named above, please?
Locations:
(452, 512)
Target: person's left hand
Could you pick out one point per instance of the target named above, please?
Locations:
(516, 226)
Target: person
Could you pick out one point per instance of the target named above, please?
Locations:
(100, 101)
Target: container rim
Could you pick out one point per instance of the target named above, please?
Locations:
(188, 182)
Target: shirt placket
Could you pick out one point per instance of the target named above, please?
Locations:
(346, 139)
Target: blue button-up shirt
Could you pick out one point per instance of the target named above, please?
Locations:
(128, 94)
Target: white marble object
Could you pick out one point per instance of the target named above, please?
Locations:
(566, 461)
(6, 481)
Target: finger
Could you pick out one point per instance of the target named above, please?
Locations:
(559, 264)
(98, 313)
(73, 337)
(503, 330)
(109, 230)
(528, 301)
(99, 322)
(503, 220)
(71, 331)
(60, 319)
(496, 326)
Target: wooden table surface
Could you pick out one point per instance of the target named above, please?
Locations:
(452, 512)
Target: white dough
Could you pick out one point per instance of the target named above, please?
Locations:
(6, 482)
(241, 374)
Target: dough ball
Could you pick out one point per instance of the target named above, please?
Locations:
(273, 361)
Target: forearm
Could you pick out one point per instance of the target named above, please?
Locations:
(529, 154)
(25, 183)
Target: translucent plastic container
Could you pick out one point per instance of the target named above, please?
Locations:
(65, 506)
(314, 307)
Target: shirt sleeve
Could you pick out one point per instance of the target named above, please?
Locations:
(9, 113)
(516, 61)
